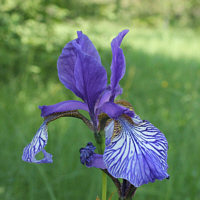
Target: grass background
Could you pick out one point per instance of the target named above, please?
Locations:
(161, 82)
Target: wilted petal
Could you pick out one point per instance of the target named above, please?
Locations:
(91, 159)
(91, 79)
(118, 65)
(114, 111)
(37, 144)
(136, 152)
(86, 153)
(63, 107)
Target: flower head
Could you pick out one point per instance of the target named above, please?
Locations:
(135, 150)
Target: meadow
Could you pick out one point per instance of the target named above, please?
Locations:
(161, 82)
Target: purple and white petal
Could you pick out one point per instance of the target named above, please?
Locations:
(114, 110)
(37, 144)
(109, 132)
(118, 65)
(63, 107)
(91, 79)
(138, 154)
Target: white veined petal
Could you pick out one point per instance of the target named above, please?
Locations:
(138, 154)
(38, 143)
(109, 130)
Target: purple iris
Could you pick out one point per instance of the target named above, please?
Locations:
(135, 150)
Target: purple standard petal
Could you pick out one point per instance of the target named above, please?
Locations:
(67, 60)
(87, 46)
(91, 79)
(63, 107)
(137, 153)
(65, 65)
(114, 111)
(118, 65)
(91, 159)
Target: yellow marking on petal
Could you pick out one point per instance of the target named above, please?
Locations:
(125, 104)
(108, 122)
(117, 129)
(103, 118)
(129, 119)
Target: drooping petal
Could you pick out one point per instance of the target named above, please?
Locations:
(67, 60)
(118, 65)
(91, 159)
(63, 107)
(114, 111)
(91, 79)
(37, 144)
(40, 139)
(135, 152)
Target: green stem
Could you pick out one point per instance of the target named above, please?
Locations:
(104, 185)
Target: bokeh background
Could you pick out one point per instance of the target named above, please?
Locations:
(162, 53)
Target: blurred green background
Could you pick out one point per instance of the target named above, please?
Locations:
(162, 53)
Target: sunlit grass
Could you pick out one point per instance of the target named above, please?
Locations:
(162, 84)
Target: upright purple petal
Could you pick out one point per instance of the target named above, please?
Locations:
(65, 65)
(63, 107)
(87, 46)
(118, 65)
(67, 60)
(137, 153)
(91, 79)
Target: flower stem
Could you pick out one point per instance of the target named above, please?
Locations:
(104, 185)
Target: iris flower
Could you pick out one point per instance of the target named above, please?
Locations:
(135, 150)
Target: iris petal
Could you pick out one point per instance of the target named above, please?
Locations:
(138, 154)
(105, 96)
(63, 107)
(65, 65)
(68, 58)
(118, 65)
(91, 78)
(114, 110)
(40, 139)
(87, 46)
(37, 144)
